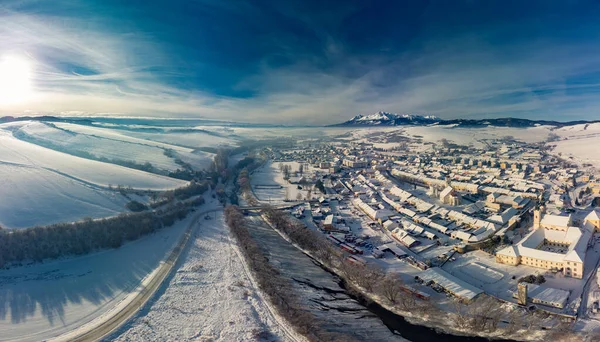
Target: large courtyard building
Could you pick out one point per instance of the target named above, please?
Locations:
(554, 244)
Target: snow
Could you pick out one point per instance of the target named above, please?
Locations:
(210, 297)
(583, 150)
(74, 143)
(13, 150)
(268, 183)
(109, 144)
(117, 135)
(187, 139)
(46, 300)
(35, 196)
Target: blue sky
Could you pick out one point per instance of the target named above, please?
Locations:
(305, 61)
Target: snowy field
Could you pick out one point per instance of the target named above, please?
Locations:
(46, 300)
(194, 139)
(269, 186)
(99, 147)
(35, 196)
(210, 297)
(112, 145)
(13, 150)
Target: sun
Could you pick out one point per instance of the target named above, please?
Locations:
(15, 80)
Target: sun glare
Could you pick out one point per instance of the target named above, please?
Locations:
(15, 80)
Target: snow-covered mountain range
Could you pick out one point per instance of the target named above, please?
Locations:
(393, 119)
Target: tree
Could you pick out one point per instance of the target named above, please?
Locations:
(539, 279)
(391, 288)
(319, 185)
(301, 169)
(299, 196)
(553, 137)
(286, 172)
(136, 206)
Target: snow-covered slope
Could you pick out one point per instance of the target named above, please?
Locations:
(94, 146)
(198, 159)
(35, 196)
(49, 299)
(13, 150)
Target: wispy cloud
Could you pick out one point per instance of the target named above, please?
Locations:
(87, 66)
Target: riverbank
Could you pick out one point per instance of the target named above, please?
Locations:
(432, 318)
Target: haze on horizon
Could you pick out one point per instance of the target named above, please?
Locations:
(301, 61)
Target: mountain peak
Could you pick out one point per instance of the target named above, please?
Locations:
(385, 118)
(391, 119)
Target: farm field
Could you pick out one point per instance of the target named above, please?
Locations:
(35, 196)
(15, 151)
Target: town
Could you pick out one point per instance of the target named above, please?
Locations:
(509, 219)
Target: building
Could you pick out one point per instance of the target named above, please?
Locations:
(449, 196)
(354, 163)
(594, 219)
(404, 238)
(456, 287)
(371, 211)
(542, 295)
(552, 245)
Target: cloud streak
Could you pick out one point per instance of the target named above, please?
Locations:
(89, 64)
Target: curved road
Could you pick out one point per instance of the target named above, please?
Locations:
(164, 269)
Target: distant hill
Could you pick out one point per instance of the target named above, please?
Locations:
(47, 118)
(392, 119)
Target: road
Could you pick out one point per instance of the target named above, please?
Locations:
(119, 318)
(583, 307)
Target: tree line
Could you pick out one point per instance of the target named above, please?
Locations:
(278, 289)
(69, 239)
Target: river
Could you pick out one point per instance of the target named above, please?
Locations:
(325, 296)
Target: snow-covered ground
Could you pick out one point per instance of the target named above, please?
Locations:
(35, 196)
(13, 150)
(269, 186)
(198, 159)
(46, 300)
(187, 139)
(209, 298)
(99, 147)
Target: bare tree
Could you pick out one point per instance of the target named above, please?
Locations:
(484, 314)
(514, 321)
(561, 332)
(460, 316)
(391, 287)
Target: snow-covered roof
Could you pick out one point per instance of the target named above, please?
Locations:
(449, 282)
(556, 220)
(593, 216)
(547, 295)
(576, 238)
(458, 234)
(447, 191)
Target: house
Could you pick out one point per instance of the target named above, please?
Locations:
(449, 196)
(390, 225)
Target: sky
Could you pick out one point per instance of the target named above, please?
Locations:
(301, 61)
